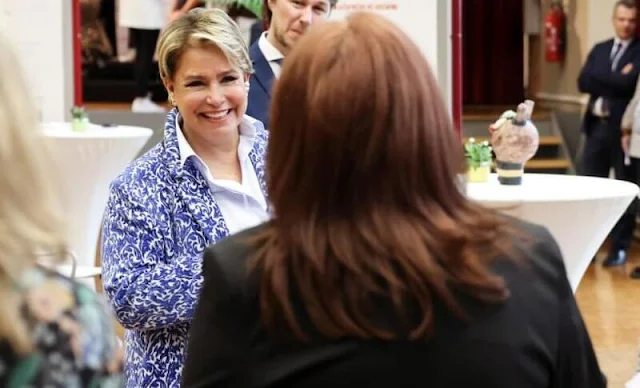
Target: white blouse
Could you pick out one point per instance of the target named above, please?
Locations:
(243, 205)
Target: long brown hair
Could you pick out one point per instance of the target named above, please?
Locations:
(362, 170)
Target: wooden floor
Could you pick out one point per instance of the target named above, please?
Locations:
(492, 112)
(610, 304)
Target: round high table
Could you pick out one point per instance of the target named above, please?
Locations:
(68, 265)
(86, 163)
(81, 272)
(579, 211)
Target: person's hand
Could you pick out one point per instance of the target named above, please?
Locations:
(175, 15)
(625, 140)
(627, 68)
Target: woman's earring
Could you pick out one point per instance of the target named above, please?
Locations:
(171, 100)
(246, 85)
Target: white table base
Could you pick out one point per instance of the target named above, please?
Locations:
(578, 211)
(87, 162)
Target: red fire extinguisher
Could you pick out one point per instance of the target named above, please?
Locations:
(554, 30)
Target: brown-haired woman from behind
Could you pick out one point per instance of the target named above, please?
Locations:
(377, 270)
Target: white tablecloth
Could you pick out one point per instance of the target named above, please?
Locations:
(82, 272)
(87, 162)
(578, 211)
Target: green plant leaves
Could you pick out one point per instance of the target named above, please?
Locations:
(255, 6)
(477, 154)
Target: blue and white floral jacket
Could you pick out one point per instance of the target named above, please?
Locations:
(159, 219)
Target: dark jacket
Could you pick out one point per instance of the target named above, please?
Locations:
(261, 83)
(536, 339)
(597, 79)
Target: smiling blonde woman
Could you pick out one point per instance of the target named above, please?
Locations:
(203, 182)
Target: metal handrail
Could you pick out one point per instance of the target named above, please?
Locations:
(66, 253)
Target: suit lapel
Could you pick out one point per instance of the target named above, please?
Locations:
(193, 188)
(262, 71)
(624, 59)
(609, 48)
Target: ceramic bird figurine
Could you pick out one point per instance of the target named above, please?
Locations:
(515, 140)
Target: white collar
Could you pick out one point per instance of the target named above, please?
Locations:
(246, 129)
(623, 43)
(268, 50)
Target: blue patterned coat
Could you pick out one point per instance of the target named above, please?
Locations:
(159, 219)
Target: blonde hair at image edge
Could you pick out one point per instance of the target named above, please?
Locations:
(212, 27)
(29, 210)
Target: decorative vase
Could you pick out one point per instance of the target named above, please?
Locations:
(79, 119)
(515, 140)
(80, 124)
(480, 173)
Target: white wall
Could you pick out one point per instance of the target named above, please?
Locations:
(41, 31)
(427, 22)
(599, 19)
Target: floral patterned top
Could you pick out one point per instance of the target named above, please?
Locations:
(160, 217)
(74, 341)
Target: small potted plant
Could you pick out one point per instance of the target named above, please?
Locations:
(479, 158)
(79, 119)
(254, 6)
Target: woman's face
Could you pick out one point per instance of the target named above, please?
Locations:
(209, 92)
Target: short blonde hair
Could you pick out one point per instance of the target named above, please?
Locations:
(199, 27)
(30, 214)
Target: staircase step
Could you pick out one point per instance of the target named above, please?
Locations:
(492, 112)
(547, 164)
(491, 117)
(544, 140)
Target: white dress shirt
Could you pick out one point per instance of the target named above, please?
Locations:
(243, 205)
(615, 58)
(271, 54)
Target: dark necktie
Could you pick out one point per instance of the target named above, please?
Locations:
(613, 62)
(614, 55)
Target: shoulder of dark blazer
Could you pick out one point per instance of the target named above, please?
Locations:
(229, 258)
(542, 261)
(255, 54)
(605, 44)
(226, 262)
(634, 47)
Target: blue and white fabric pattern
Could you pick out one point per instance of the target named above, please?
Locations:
(160, 217)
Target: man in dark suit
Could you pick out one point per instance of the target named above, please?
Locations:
(287, 21)
(610, 76)
(256, 31)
